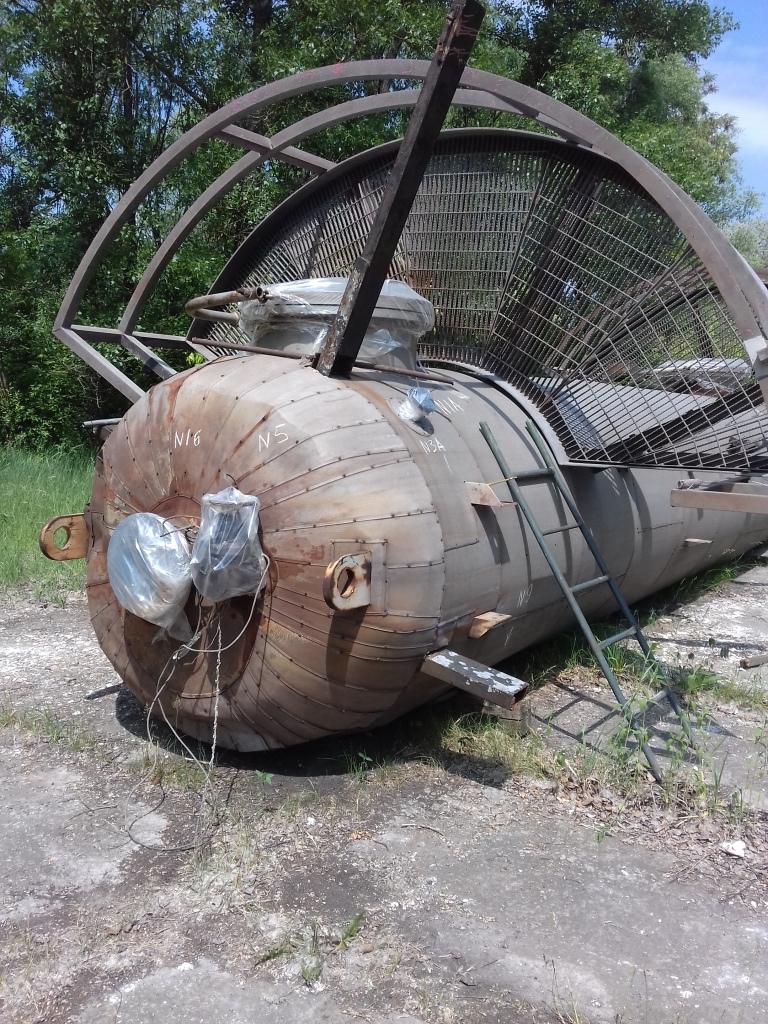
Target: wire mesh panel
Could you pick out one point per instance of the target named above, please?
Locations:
(549, 266)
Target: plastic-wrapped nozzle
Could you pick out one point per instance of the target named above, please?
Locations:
(416, 405)
(148, 569)
(227, 559)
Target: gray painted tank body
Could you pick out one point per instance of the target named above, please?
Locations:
(492, 560)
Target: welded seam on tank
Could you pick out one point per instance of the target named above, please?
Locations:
(391, 650)
(342, 476)
(257, 700)
(150, 491)
(155, 416)
(108, 503)
(314, 700)
(341, 688)
(390, 613)
(303, 474)
(224, 381)
(352, 540)
(109, 470)
(336, 460)
(359, 519)
(304, 440)
(279, 714)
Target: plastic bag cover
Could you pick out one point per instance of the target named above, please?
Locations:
(298, 314)
(418, 403)
(227, 559)
(149, 571)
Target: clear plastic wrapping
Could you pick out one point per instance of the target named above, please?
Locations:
(417, 404)
(227, 558)
(149, 571)
(298, 314)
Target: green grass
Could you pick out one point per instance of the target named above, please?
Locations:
(33, 488)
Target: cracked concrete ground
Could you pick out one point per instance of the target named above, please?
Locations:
(346, 889)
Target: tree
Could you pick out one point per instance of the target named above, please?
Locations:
(93, 90)
(750, 237)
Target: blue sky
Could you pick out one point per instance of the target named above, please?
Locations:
(741, 66)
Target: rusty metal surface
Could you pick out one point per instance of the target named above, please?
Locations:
(481, 494)
(75, 543)
(325, 482)
(347, 582)
(482, 624)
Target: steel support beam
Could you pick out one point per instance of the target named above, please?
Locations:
(289, 155)
(370, 269)
(741, 498)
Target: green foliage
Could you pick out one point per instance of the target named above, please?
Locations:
(33, 488)
(750, 237)
(94, 90)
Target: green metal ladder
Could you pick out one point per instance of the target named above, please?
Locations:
(551, 472)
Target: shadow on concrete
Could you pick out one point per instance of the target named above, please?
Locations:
(415, 737)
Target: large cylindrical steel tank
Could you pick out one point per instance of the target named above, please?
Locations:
(339, 472)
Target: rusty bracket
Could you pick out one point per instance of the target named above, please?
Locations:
(75, 541)
(361, 294)
(347, 582)
(482, 494)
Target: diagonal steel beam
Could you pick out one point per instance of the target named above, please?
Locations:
(370, 270)
(261, 144)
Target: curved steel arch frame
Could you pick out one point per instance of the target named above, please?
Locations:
(743, 293)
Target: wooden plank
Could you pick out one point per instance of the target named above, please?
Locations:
(480, 680)
(482, 624)
(720, 501)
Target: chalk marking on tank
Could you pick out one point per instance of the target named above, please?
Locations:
(265, 441)
(192, 437)
(448, 405)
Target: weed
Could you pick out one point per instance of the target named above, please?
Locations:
(357, 764)
(183, 774)
(7, 715)
(350, 930)
(693, 681)
(45, 726)
(310, 972)
(750, 696)
(286, 946)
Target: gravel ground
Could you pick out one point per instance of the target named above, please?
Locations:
(304, 885)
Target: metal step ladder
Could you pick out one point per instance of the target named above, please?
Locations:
(551, 472)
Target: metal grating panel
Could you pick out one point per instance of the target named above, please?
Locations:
(549, 266)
